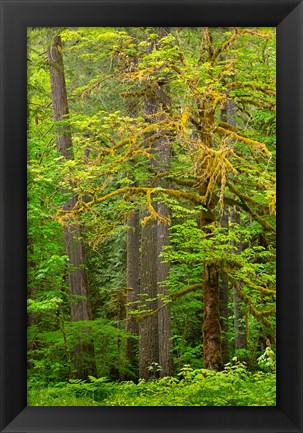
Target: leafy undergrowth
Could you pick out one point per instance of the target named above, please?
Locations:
(234, 386)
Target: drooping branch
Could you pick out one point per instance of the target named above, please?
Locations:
(256, 144)
(225, 46)
(245, 206)
(173, 178)
(195, 198)
(258, 287)
(169, 299)
(253, 86)
(259, 315)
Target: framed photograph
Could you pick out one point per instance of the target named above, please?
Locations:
(151, 216)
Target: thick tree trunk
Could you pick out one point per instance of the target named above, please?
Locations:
(80, 309)
(148, 328)
(133, 267)
(211, 319)
(212, 350)
(133, 260)
(154, 271)
(164, 319)
(59, 99)
(77, 278)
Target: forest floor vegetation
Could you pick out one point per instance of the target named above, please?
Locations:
(234, 386)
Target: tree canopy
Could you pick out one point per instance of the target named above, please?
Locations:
(151, 213)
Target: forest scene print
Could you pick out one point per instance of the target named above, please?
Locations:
(151, 155)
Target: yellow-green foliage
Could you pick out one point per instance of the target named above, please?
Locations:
(234, 386)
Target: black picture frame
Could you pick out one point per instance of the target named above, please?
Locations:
(16, 16)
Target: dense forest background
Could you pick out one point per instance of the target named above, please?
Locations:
(151, 216)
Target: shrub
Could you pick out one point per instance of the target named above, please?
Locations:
(234, 386)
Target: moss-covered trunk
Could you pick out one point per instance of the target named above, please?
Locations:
(212, 350)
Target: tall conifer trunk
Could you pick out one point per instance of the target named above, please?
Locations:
(155, 237)
(164, 319)
(163, 154)
(79, 307)
(148, 328)
(133, 267)
(133, 260)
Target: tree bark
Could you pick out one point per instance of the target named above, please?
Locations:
(164, 318)
(80, 308)
(148, 328)
(133, 266)
(162, 159)
(212, 350)
(133, 260)
(155, 331)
